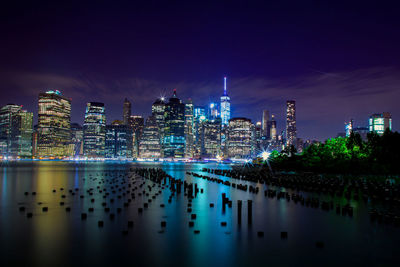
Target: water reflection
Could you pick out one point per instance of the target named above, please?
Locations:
(59, 237)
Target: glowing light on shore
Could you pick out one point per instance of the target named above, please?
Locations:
(265, 155)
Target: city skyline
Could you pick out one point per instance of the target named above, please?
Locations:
(332, 69)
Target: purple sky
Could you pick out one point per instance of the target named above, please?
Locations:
(337, 62)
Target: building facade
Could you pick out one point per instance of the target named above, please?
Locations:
(6, 115)
(150, 145)
(118, 143)
(291, 130)
(378, 123)
(21, 134)
(211, 138)
(94, 130)
(265, 124)
(77, 139)
(174, 131)
(136, 123)
(127, 109)
(54, 122)
(158, 110)
(189, 129)
(241, 135)
(272, 128)
(225, 106)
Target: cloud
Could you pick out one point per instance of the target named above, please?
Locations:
(324, 100)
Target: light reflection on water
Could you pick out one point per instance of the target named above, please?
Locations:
(61, 238)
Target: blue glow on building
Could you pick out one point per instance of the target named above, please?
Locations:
(225, 106)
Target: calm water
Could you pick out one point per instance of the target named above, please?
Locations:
(60, 238)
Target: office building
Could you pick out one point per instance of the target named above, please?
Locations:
(211, 138)
(127, 109)
(77, 139)
(54, 125)
(272, 128)
(21, 134)
(118, 142)
(291, 131)
(136, 123)
(174, 131)
(225, 106)
(150, 145)
(6, 114)
(94, 130)
(378, 123)
(157, 111)
(241, 138)
(266, 124)
(212, 111)
(189, 128)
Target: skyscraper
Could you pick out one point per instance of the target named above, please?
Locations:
(189, 127)
(118, 143)
(94, 130)
(225, 106)
(6, 114)
(265, 124)
(241, 138)
(174, 134)
(77, 138)
(272, 128)
(54, 125)
(157, 111)
(291, 131)
(21, 134)
(149, 145)
(136, 123)
(211, 138)
(127, 111)
(212, 111)
(380, 122)
(199, 117)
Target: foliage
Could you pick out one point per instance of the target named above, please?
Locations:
(376, 155)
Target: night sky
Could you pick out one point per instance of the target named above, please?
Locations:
(337, 61)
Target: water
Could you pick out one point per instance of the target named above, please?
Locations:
(59, 238)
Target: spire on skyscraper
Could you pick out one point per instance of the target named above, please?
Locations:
(225, 93)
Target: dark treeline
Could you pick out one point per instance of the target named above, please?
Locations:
(345, 155)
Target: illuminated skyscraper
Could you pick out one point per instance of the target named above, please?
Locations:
(212, 111)
(118, 144)
(272, 128)
(6, 114)
(241, 138)
(77, 138)
(265, 124)
(189, 128)
(380, 122)
(21, 134)
(225, 106)
(199, 117)
(136, 123)
(157, 110)
(291, 131)
(259, 135)
(174, 134)
(127, 111)
(211, 138)
(54, 125)
(149, 145)
(94, 130)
